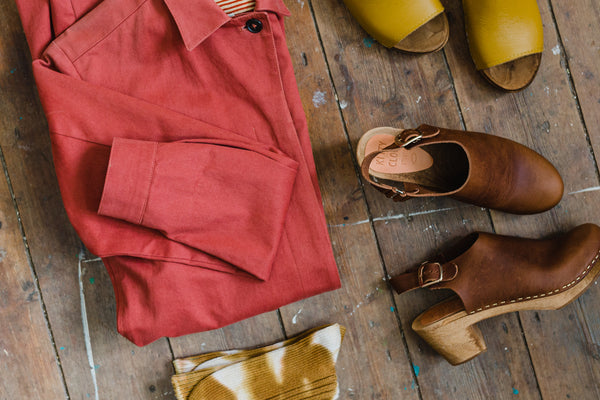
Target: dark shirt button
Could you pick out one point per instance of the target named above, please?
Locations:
(254, 25)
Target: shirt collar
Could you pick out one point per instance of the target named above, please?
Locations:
(198, 19)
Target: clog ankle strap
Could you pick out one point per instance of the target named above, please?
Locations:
(393, 192)
(428, 274)
(406, 139)
(410, 137)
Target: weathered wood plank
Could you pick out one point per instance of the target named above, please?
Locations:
(55, 249)
(544, 117)
(373, 362)
(52, 242)
(375, 87)
(28, 363)
(119, 369)
(382, 87)
(28, 367)
(257, 331)
(578, 22)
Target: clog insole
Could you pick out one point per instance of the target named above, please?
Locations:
(514, 75)
(429, 37)
(441, 167)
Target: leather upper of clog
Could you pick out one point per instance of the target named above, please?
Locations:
(500, 174)
(499, 31)
(505, 175)
(390, 21)
(489, 270)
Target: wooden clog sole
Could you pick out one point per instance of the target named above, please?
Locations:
(430, 37)
(452, 332)
(514, 75)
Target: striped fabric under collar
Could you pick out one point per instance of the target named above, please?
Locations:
(234, 7)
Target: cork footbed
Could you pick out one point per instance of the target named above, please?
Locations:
(451, 330)
(431, 36)
(514, 75)
(439, 167)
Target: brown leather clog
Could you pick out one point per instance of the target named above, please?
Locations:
(477, 168)
(494, 275)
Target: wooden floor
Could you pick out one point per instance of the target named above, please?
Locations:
(58, 334)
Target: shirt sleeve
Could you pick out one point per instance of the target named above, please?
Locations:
(227, 201)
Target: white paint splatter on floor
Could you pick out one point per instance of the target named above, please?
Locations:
(319, 99)
(295, 317)
(86, 329)
(590, 189)
(392, 217)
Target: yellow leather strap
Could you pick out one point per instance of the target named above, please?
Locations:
(499, 31)
(390, 21)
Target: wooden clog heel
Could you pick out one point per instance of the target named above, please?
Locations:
(494, 275)
(415, 26)
(454, 336)
(506, 40)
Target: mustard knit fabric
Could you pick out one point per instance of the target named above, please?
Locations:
(299, 368)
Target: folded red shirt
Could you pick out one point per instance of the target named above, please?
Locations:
(183, 157)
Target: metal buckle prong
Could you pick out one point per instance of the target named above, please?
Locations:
(412, 140)
(398, 192)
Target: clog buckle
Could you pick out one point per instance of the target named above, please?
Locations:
(433, 282)
(409, 142)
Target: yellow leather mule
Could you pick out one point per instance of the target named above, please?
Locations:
(416, 26)
(506, 40)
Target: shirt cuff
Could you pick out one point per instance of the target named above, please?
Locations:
(128, 179)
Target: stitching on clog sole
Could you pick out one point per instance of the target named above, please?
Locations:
(552, 292)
